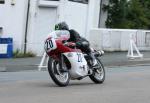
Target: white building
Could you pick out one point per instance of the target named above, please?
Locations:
(103, 14)
(28, 22)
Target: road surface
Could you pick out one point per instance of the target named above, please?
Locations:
(122, 85)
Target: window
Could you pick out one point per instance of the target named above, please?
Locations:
(2, 1)
(80, 1)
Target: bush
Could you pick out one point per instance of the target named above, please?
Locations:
(19, 54)
(128, 14)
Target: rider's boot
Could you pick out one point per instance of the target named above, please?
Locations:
(94, 61)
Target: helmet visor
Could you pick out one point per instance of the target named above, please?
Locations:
(57, 27)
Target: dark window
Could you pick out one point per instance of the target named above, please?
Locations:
(80, 1)
(2, 1)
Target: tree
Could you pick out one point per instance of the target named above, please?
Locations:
(134, 14)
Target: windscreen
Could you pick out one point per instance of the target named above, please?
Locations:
(60, 34)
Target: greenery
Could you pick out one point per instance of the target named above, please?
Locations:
(18, 54)
(128, 14)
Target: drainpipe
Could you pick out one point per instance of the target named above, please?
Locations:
(26, 28)
(100, 13)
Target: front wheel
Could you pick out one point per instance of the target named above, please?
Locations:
(98, 75)
(60, 77)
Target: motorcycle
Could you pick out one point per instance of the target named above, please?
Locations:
(66, 62)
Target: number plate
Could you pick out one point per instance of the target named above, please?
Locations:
(50, 45)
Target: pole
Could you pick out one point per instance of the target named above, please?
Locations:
(26, 29)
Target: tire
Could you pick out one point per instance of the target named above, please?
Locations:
(101, 75)
(54, 71)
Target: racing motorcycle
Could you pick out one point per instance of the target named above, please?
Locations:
(66, 62)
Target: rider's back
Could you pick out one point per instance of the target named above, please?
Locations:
(74, 36)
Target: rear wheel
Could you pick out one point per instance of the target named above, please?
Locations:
(98, 75)
(60, 77)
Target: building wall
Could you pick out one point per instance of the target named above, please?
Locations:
(45, 14)
(93, 16)
(13, 20)
(103, 15)
(42, 16)
(76, 16)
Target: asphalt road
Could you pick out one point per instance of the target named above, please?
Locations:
(122, 85)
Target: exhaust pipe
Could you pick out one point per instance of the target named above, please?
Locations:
(99, 53)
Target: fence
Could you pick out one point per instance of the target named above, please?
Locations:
(118, 39)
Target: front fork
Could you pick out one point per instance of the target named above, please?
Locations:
(62, 66)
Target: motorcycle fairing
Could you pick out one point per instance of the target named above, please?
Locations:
(78, 63)
(50, 44)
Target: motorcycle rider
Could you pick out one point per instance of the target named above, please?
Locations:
(75, 37)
